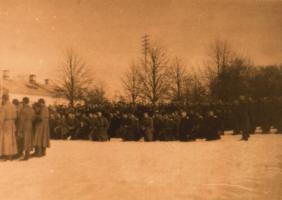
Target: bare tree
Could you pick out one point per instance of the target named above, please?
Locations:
(220, 58)
(196, 93)
(220, 55)
(178, 77)
(96, 95)
(154, 76)
(75, 78)
(131, 83)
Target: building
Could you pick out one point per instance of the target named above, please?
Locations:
(27, 86)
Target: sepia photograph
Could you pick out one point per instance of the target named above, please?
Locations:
(141, 99)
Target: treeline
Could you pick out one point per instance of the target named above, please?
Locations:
(227, 77)
(156, 77)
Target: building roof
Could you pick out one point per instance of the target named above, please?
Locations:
(22, 85)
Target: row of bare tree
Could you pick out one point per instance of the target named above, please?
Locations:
(156, 78)
(226, 77)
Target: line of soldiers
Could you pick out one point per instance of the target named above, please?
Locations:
(128, 126)
(24, 129)
(167, 122)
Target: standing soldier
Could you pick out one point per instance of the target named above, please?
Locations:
(147, 127)
(125, 130)
(157, 125)
(115, 125)
(246, 118)
(19, 134)
(42, 134)
(102, 127)
(8, 142)
(25, 126)
(72, 126)
(134, 126)
(212, 127)
(185, 128)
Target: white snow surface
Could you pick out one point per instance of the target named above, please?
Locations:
(81, 170)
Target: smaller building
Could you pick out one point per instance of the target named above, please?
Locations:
(28, 86)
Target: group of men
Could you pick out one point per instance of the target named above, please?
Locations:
(24, 129)
(130, 127)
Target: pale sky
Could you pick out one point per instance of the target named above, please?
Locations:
(107, 33)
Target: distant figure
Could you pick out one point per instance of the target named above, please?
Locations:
(26, 117)
(212, 127)
(129, 128)
(19, 134)
(126, 133)
(71, 124)
(147, 127)
(42, 133)
(115, 125)
(134, 121)
(93, 119)
(245, 118)
(102, 127)
(8, 141)
(185, 128)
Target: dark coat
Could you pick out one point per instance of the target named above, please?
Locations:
(170, 129)
(147, 128)
(114, 126)
(102, 129)
(130, 129)
(212, 128)
(185, 129)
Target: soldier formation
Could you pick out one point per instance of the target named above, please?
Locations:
(24, 129)
(84, 123)
(142, 122)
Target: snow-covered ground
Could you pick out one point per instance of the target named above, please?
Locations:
(226, 169)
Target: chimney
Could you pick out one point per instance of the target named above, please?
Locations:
(46, 81)
(6, 74)
(32, 78)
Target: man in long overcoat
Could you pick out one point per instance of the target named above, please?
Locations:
(147, 127)
(19, 134)
(102, 127)
(212, 127)
(26, 117)
(42, 132)
(125, 130)
(8, 142)
(245, 118)
(185, 128)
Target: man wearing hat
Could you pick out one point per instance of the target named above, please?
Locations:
(26, 117)
(42, 134)
(8, 142)
(147, 127)
(185, 127)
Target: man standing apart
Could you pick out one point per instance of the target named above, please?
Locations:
(245, 118)
(8, 142)
(42, 133)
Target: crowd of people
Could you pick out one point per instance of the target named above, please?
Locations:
(98, 126)
(24, 129)
(164, 123)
